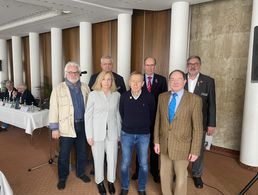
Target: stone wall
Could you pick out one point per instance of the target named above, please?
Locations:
(220, 33)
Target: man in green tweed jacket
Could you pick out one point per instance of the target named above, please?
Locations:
(177, 138)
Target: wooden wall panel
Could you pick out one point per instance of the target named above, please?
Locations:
(101, 43)
(114, 43)
(157, 38)
(45, 57)
(150, 37)
(137, 40)
(10, 60)
(71, 45)
(26, 62)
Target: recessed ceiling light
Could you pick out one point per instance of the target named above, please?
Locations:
(66, 11)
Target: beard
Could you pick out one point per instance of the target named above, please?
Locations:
(73, 80)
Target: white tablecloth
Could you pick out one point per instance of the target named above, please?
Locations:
(25, 120)
(5, 188)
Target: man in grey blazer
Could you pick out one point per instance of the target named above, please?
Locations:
(203, 86)
(177, 133)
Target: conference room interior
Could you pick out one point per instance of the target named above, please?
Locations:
(219, 32)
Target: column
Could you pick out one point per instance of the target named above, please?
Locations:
(17, 60)
(86, 50)
(3, 58)
(179, 36)
(56, 56)
(124, 45)
(249, 143)
(34, 64)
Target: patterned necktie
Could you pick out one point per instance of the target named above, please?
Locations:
(149, 84)
(172, 107)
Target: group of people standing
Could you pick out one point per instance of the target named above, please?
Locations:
(168, 125)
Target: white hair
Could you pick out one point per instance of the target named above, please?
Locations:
(71, 64)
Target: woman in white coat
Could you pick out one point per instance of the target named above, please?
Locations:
(102, 126)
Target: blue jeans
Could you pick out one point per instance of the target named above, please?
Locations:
(141, 142)
(66, 144)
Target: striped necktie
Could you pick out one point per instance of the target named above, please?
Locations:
(149, 84)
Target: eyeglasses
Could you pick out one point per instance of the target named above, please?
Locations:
(70, 72)
(193, 64)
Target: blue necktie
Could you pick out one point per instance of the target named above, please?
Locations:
(172, 107)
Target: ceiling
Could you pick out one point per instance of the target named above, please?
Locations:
(19, 17)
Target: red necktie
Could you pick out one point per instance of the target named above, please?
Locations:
(149, 84)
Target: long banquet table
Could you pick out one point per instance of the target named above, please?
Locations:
(25, 120)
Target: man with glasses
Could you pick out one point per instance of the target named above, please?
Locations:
(203, 86)
(66, 120)
(177, 133)
(154, 84)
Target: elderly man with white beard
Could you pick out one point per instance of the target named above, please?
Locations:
(66, 120)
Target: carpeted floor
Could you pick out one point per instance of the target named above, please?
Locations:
(18, 153)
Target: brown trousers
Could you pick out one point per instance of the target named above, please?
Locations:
(169, 168)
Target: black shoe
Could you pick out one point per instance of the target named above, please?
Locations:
(61, 184)
(135, 176)
(124, 192)
(101, 188)
(156, 179)
(3, 129)
(198, 182)
(85, 178)
(141, 192)
(111, 188)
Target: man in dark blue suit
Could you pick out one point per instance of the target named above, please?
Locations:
(154, 84)
(204, 86)
(25, 95)
(106, 65)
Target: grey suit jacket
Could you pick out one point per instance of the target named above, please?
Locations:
(183, 136)
(205, 88)
(102, 118)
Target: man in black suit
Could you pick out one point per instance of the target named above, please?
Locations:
(204, 86)
(8, 94)
(25, 95)
(106, 65)
(154, 84)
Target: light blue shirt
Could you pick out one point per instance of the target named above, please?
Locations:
(178, 97)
